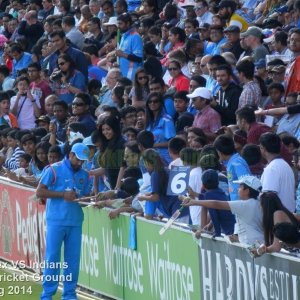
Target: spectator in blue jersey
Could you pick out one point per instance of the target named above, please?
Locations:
(130, 50)
(58, 39)
(235, 165)
(157, 85)
(212, 65)
(21, 59)
(223, 221)
(160, 124)
(217, 40)
(68, 81)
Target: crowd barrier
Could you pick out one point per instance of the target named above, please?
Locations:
(171, 267)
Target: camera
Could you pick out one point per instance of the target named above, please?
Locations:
(57, 75)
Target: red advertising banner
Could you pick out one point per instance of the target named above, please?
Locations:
(22, 225)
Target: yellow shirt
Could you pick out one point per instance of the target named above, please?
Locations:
(238, 21)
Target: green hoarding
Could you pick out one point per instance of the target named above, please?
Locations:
(162, 267)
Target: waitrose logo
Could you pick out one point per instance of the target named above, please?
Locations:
(150, 271)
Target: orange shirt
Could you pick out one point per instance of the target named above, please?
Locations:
(293, 77)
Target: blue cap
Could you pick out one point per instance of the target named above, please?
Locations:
(81, 151)
(260, 64)
(210, 177)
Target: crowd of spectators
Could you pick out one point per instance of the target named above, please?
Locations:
(151, 85)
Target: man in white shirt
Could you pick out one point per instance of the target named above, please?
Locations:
(203, 13)
(278, 176)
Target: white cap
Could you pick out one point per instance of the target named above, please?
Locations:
(250, 181)
(201, 92)
(112, 21)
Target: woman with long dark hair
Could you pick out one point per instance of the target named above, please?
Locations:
(158, 198)
(40, 160)
(273, 212)
(160, 124)
(68, 81)
(140, 89)
(111, 149)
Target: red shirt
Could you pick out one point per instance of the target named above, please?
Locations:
(254, 133)
(41, 90)
(181, 83)
(293, 77)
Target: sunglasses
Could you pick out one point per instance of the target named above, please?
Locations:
(153, 101)
(142, 77)
(78, 104)
(172, 69)
(62, 63)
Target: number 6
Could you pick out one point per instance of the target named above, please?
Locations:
(178, 185)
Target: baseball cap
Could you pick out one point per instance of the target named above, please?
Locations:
(210, 177)
(227, 3)
(81, 151)
(112, 21)
(88, 141)
(232, 28)
(201, 92)
(45, 119)
(251, 181)
(254, 31)
(260, 64)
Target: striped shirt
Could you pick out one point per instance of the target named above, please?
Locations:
(13, 162)
(251, 94)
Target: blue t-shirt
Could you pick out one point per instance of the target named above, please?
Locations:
(131, 43)
(236, 167)
(163, 130)
(169, 106)
(223, 220)
(96, 73)
(78, 81)
(61, 177)
(21, 64)
(89, 123)
(214, 48)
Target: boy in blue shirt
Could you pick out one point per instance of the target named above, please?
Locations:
(223, 220)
